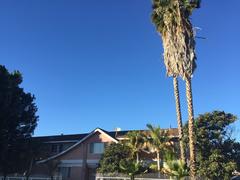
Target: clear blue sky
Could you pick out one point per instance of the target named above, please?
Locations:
(99, 63)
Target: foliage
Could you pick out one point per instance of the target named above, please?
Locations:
(32, 152)
(132, 168)
(135, 141)
(172, 20)
(175, 168)
(167, 9)
(158, 140)
(153, 167)
(217, 166)
(218, 154)
(17, 122)
(113, 154)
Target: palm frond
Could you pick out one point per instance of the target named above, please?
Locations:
(171, 19)
(176, 168)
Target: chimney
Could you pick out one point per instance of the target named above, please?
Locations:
(116, 131)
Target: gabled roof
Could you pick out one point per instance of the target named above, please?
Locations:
(173, 132)
(75, 137)
(79, 142)
(79, 138)
(60, 138)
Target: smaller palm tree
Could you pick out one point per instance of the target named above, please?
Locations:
(132, 168)
(135, 141)
(176, 169)
(158, 141)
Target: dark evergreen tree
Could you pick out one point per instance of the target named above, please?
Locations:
(218, 153)
(18, 120)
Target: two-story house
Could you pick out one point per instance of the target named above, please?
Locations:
(76, 157)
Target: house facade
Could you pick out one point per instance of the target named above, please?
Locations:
(76, 157)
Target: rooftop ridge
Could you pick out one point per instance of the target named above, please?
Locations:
(60, 135)
(81, 134)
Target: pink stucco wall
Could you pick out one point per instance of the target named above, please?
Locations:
(80, 152)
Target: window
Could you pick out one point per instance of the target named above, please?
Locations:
(56, 148)
(97, 148)
(60, 148)
(65, 172)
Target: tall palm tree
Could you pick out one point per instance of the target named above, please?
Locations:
(158, 141)
(172, 20)
(135, 141)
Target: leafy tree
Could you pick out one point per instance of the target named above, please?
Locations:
(31, 155)
(17, 122)
(113, 154)
(218, 154)
(172, 21)
(135, 141)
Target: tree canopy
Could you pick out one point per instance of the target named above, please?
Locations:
(119, 158)
(218, 153)
(135, 140)
(18, 120)
(172, 21)
(113, 154)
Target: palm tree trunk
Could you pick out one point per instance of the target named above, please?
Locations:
(137, 154)
(158, 161)
(191, 127)
(179, 118)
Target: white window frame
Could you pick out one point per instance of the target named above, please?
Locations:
(94, 150)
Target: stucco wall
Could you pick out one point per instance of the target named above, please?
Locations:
(87, 159)
(76, 173)
(81, 161)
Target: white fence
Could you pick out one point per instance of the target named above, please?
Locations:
(146, 177)
(149, 176)
(30, 178)
(125, 178)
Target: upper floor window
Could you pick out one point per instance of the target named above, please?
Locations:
(97, 148)
(56, 148)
